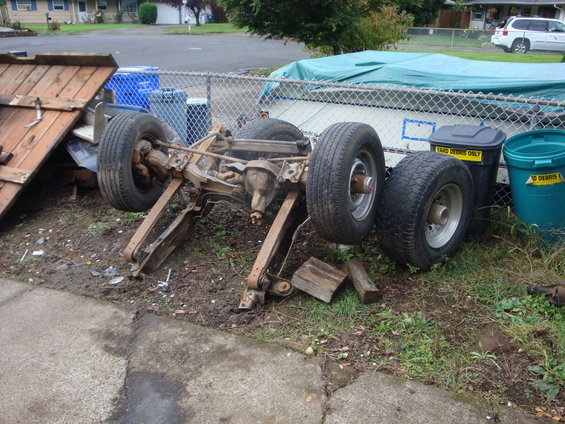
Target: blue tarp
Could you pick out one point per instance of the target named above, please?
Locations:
(432, 71)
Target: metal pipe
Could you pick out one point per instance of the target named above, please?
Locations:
(200, 152)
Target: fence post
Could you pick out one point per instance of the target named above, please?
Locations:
(452, 37)
(209, 92)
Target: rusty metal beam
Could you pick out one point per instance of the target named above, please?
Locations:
(151, 219)
(272, 241)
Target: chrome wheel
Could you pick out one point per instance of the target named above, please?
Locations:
(362, 182)
(444, 215)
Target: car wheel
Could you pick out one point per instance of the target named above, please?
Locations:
(345, 177)
(124, 185)
(425, 209)
(521, 45)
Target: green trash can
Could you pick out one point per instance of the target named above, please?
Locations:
(536, 168)
(479, 148)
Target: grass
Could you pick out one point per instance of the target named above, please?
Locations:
(443, 41)
(430, 332)
(73, 29)
(205, 29)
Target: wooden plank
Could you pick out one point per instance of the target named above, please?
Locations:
(12, 77)
(13, 175)
(3, 67)
(364, 286)
(32, 146)
(36, 157)
(54, 81)
(83, 76)
(318, 279)
(49, 103)
(31, 81)
(80, 59)
(94, 85)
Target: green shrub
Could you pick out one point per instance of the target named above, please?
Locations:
(120, 17)
(148, 13)
(99, 18)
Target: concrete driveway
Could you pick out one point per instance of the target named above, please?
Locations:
(150, 46)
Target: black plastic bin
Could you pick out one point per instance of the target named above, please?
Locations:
(479, 147)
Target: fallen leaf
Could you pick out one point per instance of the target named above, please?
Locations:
(539, 414)
(180, 312)
(309, 351)
(309, 399)
(288, 354)
(344, 399)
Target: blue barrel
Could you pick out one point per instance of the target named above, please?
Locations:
(133, 88)
(169, 105)
(536, 168)
(199, 119)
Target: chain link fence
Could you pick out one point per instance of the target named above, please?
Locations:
(403, 117)
(448, 38)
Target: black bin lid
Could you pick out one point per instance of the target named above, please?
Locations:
(468, 137)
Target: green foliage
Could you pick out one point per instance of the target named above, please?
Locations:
(99, 18)
(147, 13)
(424, 11)
(550, 377)
(120, 17)
(329, 25)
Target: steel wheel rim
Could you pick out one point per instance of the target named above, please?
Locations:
(444, 215)
(142, 185)
(360, 204)
(520, 48)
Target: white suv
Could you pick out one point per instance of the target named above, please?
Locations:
(522, 34)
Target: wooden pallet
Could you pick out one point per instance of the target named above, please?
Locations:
(63, 85)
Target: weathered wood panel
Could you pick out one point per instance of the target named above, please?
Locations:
(64, 81)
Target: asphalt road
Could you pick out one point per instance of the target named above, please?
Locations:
(211, 53)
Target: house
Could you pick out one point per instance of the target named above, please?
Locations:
(78, 11)
(488, 14)
(70, 11)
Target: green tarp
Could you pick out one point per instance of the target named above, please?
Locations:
(431, 71)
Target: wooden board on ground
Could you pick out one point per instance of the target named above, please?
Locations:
(364, 286)
(66, 82)
(318, 279)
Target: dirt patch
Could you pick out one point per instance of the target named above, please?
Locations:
(74, 241)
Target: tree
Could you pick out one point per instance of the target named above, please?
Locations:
(424, 11)
(196, 6)
(339, 25)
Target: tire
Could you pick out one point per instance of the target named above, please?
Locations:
(344, 150)
(520, 45)
(406, 207)
(119, 185)
(267, 129)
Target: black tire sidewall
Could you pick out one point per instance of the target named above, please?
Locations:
(406, 200)
(116, 149)
(328, 188)
(429, 255)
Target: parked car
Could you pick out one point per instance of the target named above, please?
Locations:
(519, 35)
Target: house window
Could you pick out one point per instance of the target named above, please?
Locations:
(58, 4)
(526, 11)
(129, 6)
(478, 15)
(23, 4)
(102, 5)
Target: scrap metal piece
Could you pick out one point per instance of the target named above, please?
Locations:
(38, 114)
(151, 219)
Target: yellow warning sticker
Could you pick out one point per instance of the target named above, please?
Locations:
(545, 179)
(463, 154)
